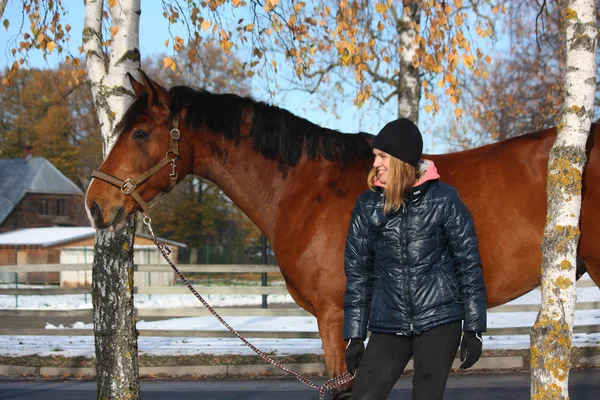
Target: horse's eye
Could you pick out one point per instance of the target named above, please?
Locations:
(139, 135)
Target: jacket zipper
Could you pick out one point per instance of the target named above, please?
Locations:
(405, 261)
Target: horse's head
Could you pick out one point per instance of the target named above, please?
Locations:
(149, 157)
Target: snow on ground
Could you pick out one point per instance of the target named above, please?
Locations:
(84, 346)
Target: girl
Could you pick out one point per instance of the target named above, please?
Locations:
(413, 273)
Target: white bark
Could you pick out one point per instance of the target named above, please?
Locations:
(2, 7)
(409, 82)
(110, 85)
(112, 277)
(551, 334)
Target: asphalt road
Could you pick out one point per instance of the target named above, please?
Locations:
(583, 385)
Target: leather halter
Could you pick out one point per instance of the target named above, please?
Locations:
(128, 186)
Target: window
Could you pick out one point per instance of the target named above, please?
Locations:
(44, 207)
(60, 207)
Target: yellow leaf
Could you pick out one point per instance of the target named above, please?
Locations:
(114, 30)
(112, 3)
(272, 3)
(51, 46)
(236, 3)
(223, 34)
(424, 84)
(67, 27)
(249, 27)
(458, 3)
(206, 24)
(428, 108)
(167, 43)
(488, 59)
(440, 83)
(458, 112)
(495, 10)
(167, 62)
(380, 8)
(250, 73)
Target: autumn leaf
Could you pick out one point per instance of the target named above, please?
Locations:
(167, 43)
(428, 108)
(249, 27)
(380, 8)
(6, 24)
(114, 30)
(168, 62)
(206, 24)
(51, 46)
(458, 112)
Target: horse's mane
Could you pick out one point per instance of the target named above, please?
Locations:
(275, 131)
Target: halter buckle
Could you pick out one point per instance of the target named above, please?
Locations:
(128, 186)
(175, 134)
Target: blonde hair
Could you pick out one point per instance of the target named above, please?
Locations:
(401, 178)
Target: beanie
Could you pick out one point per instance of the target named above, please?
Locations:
(401, 139)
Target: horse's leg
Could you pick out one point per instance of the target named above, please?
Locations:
(330, 321)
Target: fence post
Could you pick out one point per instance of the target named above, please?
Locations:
(265, 258)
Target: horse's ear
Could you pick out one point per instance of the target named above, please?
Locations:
(156, 93)
(138, 87)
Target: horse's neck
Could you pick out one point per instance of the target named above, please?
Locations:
(255, 184)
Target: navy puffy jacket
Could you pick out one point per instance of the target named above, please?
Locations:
(412, 270)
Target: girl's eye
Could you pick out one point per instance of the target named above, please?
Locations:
(139, 135)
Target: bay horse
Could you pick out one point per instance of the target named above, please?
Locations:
(298, 183)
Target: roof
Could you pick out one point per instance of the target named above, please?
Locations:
(46, 237)
(34, 175)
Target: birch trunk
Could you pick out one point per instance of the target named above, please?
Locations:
(2, 7)
(409, 82)
(551, 334)
(112, 277)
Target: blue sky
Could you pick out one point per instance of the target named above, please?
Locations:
(153, 33)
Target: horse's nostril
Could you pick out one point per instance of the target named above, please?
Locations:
(95, 210)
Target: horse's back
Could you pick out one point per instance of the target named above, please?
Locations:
(504, 186)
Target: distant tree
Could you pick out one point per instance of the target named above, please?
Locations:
(61, 128)
(524, 90)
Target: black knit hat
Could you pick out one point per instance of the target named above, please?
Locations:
(402, 139)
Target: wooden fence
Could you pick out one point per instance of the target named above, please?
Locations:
(201, 311)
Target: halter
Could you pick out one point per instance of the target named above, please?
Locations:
(128, 186)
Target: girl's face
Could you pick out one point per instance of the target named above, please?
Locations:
(382, 164)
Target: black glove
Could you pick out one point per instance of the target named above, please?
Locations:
(354, 353)
(470, 349)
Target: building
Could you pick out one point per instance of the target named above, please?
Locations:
(34, 193)
(73, 245)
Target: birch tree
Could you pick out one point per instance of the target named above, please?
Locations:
(551, 334)
(112, 277)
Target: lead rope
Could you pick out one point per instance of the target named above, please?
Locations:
(330, 384)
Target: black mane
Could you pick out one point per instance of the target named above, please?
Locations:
(275, 131)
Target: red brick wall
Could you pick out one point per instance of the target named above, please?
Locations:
(27, 213)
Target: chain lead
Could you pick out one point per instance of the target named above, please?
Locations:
(330, 384)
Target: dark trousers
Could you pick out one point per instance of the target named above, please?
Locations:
(386, 357)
